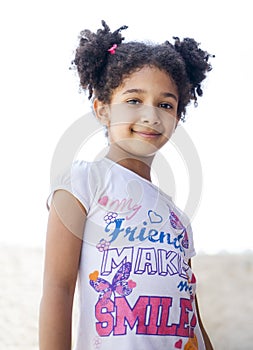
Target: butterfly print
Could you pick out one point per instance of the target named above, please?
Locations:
(185, 240)
(119, 284)
(175, 222)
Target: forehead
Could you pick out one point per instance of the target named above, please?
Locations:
(148, 78)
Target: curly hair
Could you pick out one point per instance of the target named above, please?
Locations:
(100, 71)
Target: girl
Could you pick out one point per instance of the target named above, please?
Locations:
(126, 240)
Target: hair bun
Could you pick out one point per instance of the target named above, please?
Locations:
(92, 54)
(196, 62)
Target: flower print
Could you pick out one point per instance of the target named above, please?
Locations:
(110, 217)
(103, 245)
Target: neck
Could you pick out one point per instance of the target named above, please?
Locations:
(139, 165)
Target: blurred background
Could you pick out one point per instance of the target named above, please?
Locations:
(40, 100)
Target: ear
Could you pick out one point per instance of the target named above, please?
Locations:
(102, 112)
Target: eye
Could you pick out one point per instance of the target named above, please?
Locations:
(133, 101)
(165, 105)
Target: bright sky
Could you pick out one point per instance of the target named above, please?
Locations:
(40, 101)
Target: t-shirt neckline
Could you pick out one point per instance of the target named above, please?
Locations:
(137, 176)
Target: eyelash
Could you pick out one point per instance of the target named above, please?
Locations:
(130, 102)
(135, 101)
(169, 106)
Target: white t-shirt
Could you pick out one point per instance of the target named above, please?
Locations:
(136, 289)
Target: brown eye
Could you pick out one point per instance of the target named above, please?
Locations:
(133, 101)
(165, 105)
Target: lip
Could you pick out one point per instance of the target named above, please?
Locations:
(147, 134)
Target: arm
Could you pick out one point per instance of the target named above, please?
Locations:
(206, 338)
(63, 248)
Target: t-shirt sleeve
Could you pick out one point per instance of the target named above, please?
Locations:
(76, 180)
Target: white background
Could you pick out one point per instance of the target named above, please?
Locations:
(40, 100)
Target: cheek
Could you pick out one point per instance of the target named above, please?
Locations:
(169, 128)
(171, 122)
(118, 131)
(121, 113)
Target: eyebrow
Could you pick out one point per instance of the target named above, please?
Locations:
(141, 91)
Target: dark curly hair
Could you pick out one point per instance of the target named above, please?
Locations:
(100, 72)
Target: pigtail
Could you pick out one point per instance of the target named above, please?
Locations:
(196, 63)
(103, 62)
(92, 54)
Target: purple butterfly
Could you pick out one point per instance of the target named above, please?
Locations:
(175, 222)
(119, 284)
(185, 240)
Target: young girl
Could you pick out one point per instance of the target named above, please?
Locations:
(130, 246)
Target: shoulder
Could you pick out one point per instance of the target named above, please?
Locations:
(72, 179)
(72, 174)
(80, 167)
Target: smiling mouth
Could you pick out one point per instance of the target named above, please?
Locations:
(147, 134)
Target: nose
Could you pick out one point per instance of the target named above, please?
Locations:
(150, 115)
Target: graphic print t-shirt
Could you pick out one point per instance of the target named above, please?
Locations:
(136, 289)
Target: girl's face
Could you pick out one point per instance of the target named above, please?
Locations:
(142, 114)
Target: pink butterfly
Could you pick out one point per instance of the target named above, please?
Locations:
(119, 284)
(175, 222)
(185, 240)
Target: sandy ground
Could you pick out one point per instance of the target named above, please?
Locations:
(225, 295)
